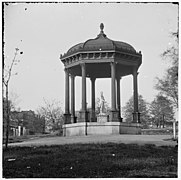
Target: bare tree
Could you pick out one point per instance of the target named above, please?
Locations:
(7, 74)
(53, 115)
(14, 101)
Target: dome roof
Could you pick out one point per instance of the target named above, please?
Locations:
(101, 43)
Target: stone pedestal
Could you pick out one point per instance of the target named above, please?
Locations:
(102, 118)
(120, 119)
(24, 131)
(136, 117)
(73, 119)
(83, 116)
(14, 131)
(19, 130)
(114, 116)
(67, 118)
(95, 128)
(93, 116)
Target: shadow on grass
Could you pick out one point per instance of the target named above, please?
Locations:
(90, 161)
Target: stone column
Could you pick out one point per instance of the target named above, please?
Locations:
(113, 87)
(67, 111)
(73, 118)
(24, 131)
(136, 114)
(19, 130)
(83, 87)
(113, 113)
(93, 116)
(118, 98)
(14, 131)
(83, 112)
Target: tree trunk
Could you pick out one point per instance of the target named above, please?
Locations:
(174, 130)
(7, 118)
(163, 121)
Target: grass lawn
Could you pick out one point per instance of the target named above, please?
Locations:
(90, 161)
(14, 139)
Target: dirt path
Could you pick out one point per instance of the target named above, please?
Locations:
(158, 140)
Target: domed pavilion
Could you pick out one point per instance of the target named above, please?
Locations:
(95, 58)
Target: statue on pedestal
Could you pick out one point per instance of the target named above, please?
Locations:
(102, 117)
(102, 104)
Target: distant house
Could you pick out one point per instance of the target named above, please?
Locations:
(24, 123)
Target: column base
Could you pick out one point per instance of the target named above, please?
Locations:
(73, 119)
(136, 117)
(93, 116)
(114, 116)
(67, 118)
(120, 119)
(93, 119)
(83, 116)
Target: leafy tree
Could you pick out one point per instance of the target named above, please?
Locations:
(128, 110)
(53, 115)
(161, 111)
(33, 122)
(97, 105)
(30, 120)
(168, 85)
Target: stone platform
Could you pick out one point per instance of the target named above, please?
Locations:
(102, 118)
(93, 128)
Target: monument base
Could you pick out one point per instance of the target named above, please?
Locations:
(98, 128)
(73, 119)
(136, 117)
(102, 118)
(93, 116)
(67, 118)
(114, 116)
(83, 116)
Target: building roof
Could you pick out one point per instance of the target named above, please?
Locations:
(101, 43)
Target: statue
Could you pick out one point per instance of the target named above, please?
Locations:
(102, 117)
(102, 104)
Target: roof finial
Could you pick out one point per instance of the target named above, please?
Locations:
(102, 27)
(101, 34)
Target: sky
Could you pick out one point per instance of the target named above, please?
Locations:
(43, 31)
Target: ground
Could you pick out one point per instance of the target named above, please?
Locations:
(92, 156)
(159, 140)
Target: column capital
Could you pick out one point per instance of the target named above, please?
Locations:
(112, 63)
(80, 56)
(72, 75)
(92, 78)
(135, 72)
(135, 69)
(66, 69)
(82, 65)
(118, 77)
